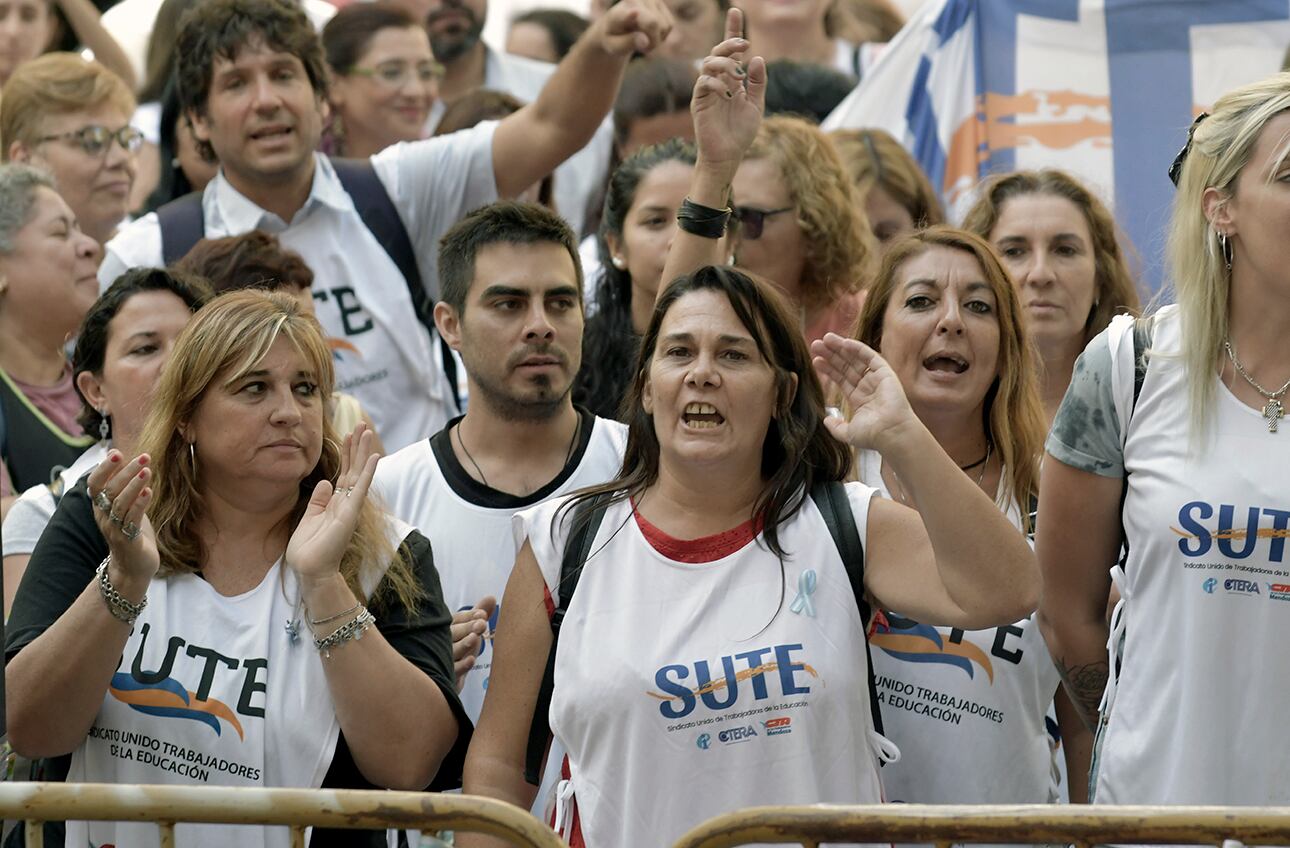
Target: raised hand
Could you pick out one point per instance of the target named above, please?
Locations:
(318, 544)
(729, 101)
(633, 26)
(121, 495)
(469, 630)
(872, 392)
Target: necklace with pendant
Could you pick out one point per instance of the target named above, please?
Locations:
(1273, 408)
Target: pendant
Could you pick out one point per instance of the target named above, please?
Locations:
(1272, 411)
(293, 631)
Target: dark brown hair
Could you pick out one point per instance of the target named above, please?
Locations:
(563, 27)
(346, 36)
(798, 451)
(252, 260)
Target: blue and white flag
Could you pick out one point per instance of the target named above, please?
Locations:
(1103, 88)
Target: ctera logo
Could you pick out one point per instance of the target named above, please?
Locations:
(704, 741)
(737, 734)
(1209, 584)
(1236, 586)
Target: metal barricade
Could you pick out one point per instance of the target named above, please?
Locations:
(35, 803)
(1081, 826)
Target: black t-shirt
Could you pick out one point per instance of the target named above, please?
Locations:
(71, 548)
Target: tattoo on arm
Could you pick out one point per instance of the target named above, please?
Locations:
(1085, 683)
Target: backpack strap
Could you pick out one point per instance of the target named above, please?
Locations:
(182, 226)
(381, 217)
(830, 498)
(576, 551)
(1142, 332)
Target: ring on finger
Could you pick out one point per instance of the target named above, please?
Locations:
(114, 518)
(131, 530)
(103, 502)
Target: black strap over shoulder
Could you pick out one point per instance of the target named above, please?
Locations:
(576, 551)
(183, 225)
(831, 498)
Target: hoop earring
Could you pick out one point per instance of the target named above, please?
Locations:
(1226, 248)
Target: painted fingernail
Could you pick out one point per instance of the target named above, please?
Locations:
(113, 456)
(143, 474)
(144, 459)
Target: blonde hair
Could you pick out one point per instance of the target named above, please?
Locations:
(839, 246)
(1221, 146)
(55, 84)
(1014, 417)
(1115, 291)
(226, 339)
(876, 158)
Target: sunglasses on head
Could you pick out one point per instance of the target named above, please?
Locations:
(753, 220)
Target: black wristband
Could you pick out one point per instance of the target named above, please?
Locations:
(702, 221)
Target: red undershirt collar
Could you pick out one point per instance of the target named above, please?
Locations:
(704, 549)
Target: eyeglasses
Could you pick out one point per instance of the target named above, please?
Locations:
(395, 75)
(96, 140)
(753, 220)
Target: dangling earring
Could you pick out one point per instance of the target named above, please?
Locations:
(192, 456)
(104, 428)
(619, 263)
(1227, 250)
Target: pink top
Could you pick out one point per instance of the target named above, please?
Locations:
(59, 403)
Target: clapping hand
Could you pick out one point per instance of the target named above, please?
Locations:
(634, 26)
(318, 544)
(872, 392)
(121, 494)
(728, 102)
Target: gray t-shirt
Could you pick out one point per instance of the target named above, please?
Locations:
(1086, 431)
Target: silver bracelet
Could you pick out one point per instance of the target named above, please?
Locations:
(350, 631)
(117, 604)
(314, 622)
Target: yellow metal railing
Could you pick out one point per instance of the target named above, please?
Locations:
(35, 803)
(1030, 824)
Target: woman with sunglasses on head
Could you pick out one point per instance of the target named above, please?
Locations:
(72, 118)
(800, 226)
(1060, 244)
(1172, 440)
(47, 283)
(897, 197)
(384, 78)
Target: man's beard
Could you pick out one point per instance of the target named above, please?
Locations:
(510, 407)
(448, 47)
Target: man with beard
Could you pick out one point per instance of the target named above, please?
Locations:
(455, 28)
(512, 307)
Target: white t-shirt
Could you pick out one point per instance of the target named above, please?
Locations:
(469, 527)
(30, 514)
(1196, 712)
(966, 708)
(688, 690)
(581, 179)
(384, 356)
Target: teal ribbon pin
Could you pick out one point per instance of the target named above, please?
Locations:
(805, 588)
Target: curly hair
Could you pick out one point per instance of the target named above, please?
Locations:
(839, 246)
(1116, 291)
(1014, 418)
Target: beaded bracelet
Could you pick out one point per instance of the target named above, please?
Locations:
(351, 631)
(117, 604)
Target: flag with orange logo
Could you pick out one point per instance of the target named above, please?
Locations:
(1103, 88)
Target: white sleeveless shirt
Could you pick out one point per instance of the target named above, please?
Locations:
(1198, 706)
(688, 690)
(966, 708)
(213, 691)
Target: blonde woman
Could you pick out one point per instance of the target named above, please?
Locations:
(1060, 243)
(1192, 472)
(239, 563)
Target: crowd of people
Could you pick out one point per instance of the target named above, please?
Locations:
(338, 349)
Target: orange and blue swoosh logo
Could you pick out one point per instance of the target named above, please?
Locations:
(339, 346)
(169, 699)
(913, 642)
